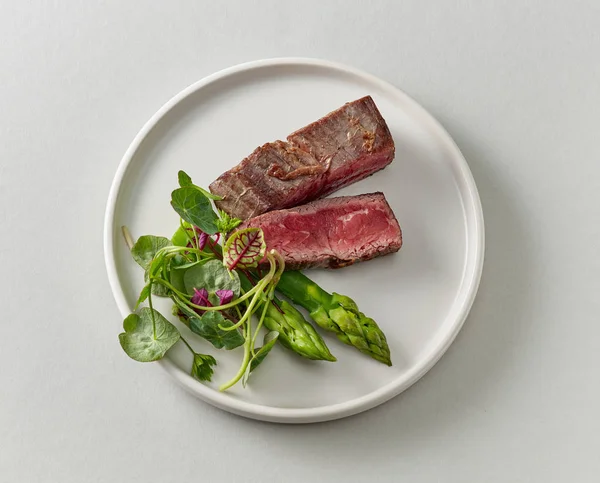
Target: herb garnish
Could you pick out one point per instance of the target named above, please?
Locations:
(204, 284)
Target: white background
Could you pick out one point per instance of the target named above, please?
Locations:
(516, 398)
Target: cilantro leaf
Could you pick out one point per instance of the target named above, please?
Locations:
(202, 367)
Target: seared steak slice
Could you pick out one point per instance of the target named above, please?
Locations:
(274, 175)
(355, 139)
(345, 146)
(331, 232)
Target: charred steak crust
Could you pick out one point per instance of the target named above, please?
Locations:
(331, 232)
(343, 147)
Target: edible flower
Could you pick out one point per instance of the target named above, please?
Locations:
(200, 297)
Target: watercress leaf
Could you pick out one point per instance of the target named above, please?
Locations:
(244, 249)
(195, 208)
(184, 179)
(212, 276)
(268, 343)
(143, 296)
(138, 340)
(207, 327)
(227, 223)
(145, 248)
(202, 367)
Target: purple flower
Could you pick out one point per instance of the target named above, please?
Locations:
(225, 296)
(200, 297)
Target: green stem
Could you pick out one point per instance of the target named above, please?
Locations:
(239, 312)
(245, 361)
(162, 281)
(184, 228)
(246, 296)
(247, 314)
(188, 345)
(260, 322)
(152, 311)
(260, 286)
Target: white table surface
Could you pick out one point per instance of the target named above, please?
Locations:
(516, 397)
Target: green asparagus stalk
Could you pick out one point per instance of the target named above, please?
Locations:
(336, 313)
(295, 332)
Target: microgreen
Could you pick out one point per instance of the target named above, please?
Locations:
(225, 296)
(244, 249)
(227, 223)
(202, 239)
(200, 297)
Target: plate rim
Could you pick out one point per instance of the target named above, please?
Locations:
(321, 413)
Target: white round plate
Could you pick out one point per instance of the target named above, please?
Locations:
(420, 296)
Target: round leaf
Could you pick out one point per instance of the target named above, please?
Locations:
(138, 340)
(212, 276)
(145, 248)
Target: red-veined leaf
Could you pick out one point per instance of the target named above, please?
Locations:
(244, 249)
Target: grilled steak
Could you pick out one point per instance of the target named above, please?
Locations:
(332, 232)
(345, 146)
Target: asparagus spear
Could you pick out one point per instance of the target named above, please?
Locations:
(336, 313)
(295, 333)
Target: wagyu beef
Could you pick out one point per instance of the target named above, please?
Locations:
(345, 146)
(331, 232)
